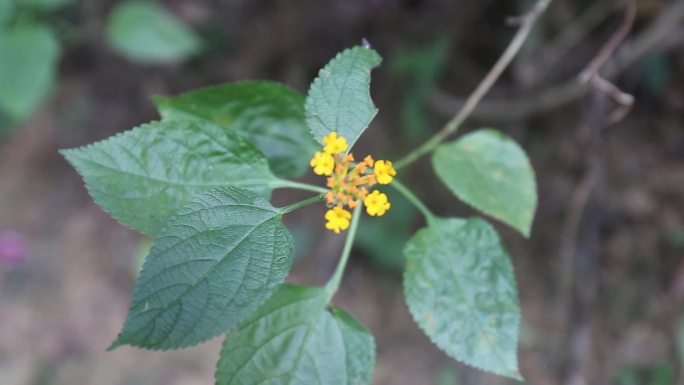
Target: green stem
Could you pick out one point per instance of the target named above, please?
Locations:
(334, 283)
(284, 183)
(411, 197)
(526, 21)
(297, 205)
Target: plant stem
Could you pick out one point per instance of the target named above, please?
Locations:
(526, 21)
(411, 197)
(284, 183)
(302, 203)
(334, 283)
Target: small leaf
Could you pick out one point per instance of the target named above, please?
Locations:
(147, 33)
(460, 288)
(28, 62)
(268, 114)
(214, 263)
(339, 98)
(145, 175)
(490, 172)
(295, 340)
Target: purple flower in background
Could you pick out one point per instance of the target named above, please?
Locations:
(12, 248)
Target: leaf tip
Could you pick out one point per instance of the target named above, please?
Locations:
(117, 342)
(160, 101)
(525, 229)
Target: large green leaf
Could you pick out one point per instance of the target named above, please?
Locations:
(214, 263)
(490, 172)
(294, 339)
(460, 288)
(339, 98)
(269, 114)
(144, 175)
(28, 61)
(145, 32)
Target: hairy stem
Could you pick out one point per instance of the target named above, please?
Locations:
(334, 283)
(284, 183)
(302, 203)
(411, 197)
(526, 21)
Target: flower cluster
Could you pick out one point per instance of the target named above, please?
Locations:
(349, 182)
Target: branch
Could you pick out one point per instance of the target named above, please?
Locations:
(526, 22)
(591, 72)
(658, 36)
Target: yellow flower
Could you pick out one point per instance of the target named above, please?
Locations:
(376, 203)
(349, 182)
(335, 144)
(384, 171)
(338, 219)
(322, 163)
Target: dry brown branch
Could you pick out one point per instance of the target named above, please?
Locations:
(657, 36)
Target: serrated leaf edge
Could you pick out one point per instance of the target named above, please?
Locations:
(71, 153)
(414, 315)
(318, 80)
(117, 342)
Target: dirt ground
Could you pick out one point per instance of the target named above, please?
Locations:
(601, 279)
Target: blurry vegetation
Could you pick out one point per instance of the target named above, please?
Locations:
(147, 33)
(29, 53)
(32, 33)
(421, 67)
(379, 241)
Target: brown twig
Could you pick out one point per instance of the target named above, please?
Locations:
(526, 22)
(591, 74)
(606, 52)
(547, 57)
(657, 36)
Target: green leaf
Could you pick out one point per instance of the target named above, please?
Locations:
(268, 114)
(145, 175)
(147, 33)
(294, 339)
(490, 172)
(214, 263)
(28, 62)
(6, 12)
(460, 288)
(339, 98)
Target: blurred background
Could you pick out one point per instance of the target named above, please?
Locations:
(601, 279)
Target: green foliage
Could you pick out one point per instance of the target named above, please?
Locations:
(460, 289)
(143, 176)
(421, 67)
(6, 11)
(212, 265)
(28, 60)
(339, 98)
(46, 5)
(145, 32)
(490, 172)
(295, 339)
(268, 114)
(198, 181)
